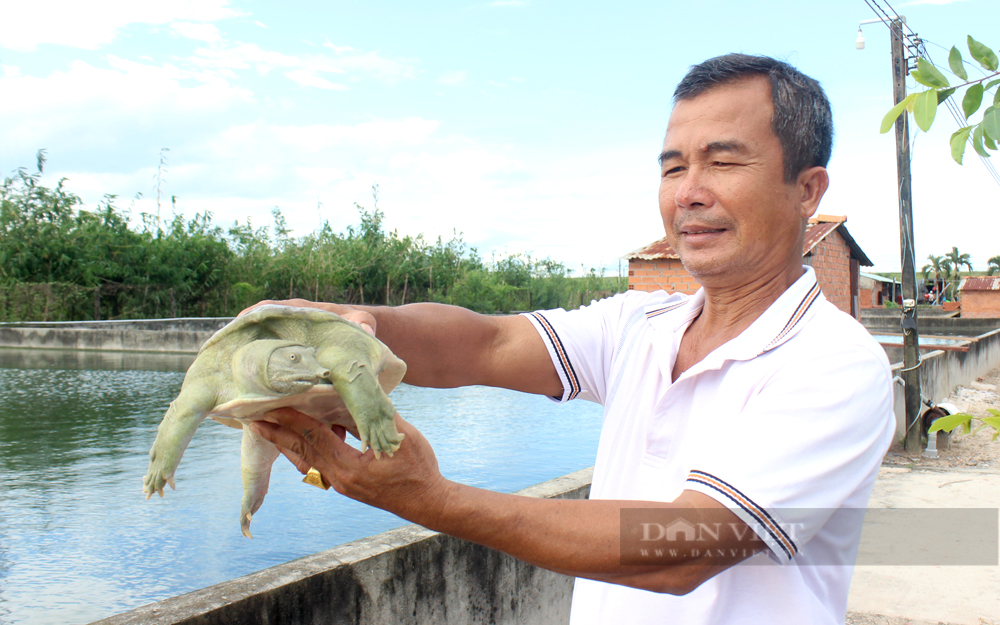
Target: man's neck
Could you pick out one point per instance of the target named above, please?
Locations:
(728, 311)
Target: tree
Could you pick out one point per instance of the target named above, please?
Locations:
(957, 259)
(941, 267)
(985, 133)
(994, 265)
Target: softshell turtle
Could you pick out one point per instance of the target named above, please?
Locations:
(274, 357)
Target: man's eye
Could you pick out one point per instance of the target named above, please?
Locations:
(672, 170)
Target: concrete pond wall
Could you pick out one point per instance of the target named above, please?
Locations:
(942, 371)
(406, 576)
(930, 321)
(142, 335)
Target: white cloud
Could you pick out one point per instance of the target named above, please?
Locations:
(90, 25)
(307, 78)
(454, 78)
(86, 103)
(201, 32)
(304, 69)
(508, 3)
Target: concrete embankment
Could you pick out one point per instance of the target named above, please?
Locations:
(142, 335)
(930, 322)
(405, 576)
(942, 371)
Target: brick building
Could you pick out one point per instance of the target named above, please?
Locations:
(980, 297)
(828, 248)
(875, 290)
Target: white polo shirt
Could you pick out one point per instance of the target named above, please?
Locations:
(784, 424)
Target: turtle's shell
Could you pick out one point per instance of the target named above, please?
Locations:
(321, 401)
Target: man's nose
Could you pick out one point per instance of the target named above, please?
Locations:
(692, 190)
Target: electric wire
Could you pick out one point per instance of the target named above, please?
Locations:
(917, 48)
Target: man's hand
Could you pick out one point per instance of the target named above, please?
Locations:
(407, 484)
(360, 317)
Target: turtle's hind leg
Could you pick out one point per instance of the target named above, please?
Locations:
(257, 455)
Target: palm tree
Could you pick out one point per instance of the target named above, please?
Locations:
(941, 267)
(994, 265)
(957, 260)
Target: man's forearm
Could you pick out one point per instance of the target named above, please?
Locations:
(448, 346)
(443, 346)
(582, 538)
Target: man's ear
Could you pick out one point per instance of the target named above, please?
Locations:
(811, 186)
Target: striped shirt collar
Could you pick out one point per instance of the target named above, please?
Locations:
(781, 321)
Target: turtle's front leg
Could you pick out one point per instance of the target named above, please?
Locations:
(174, 433)
(373, 413)
(256, 457)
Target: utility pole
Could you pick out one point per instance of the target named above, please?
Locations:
(911, 357)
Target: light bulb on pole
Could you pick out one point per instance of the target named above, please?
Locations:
(859, 43)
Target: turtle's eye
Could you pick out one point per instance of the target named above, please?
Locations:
(293, 357)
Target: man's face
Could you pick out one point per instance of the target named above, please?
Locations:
(725, 206)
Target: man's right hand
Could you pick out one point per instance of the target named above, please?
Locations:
(363, 318)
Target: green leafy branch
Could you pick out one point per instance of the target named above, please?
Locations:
(923, 105)
(964, 420)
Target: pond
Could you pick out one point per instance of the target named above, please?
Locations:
(78, 542)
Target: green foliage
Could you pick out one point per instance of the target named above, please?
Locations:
(60, 262)
(946, 271)
(964, 420)
(994, 265)
(984, 134)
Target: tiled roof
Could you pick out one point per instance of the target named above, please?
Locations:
(986, 283)
(818, 228)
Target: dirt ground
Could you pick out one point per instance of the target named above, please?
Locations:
(964, 451)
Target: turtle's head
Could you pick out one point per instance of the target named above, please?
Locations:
(269, 366)
(294, 369)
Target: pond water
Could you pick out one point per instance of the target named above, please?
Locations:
(78, 542)
(925, 341)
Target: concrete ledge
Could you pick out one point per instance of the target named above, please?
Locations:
(406, 576)
(887, 321)
(133, 335)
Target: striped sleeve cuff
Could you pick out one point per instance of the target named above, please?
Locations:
(756, 517)
(557, 351)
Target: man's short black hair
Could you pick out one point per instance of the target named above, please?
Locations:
(802, 120)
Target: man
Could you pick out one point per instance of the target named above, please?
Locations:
(747, 414)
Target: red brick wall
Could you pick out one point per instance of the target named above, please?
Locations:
(831, 260)
(980, 304)
(868, 298)
(660, 275)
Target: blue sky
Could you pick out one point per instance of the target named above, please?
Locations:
(529, 126)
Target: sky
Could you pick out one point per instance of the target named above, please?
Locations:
(523, 125)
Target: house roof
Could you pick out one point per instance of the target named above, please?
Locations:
(986, 283)
(818, 228)
(876, 277)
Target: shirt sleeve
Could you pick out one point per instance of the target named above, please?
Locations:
(581, 342)
(801, 449)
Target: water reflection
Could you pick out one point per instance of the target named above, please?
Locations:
(78, 542)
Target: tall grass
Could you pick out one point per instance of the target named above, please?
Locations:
(60, 262)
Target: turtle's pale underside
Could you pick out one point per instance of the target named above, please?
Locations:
(279, 356)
